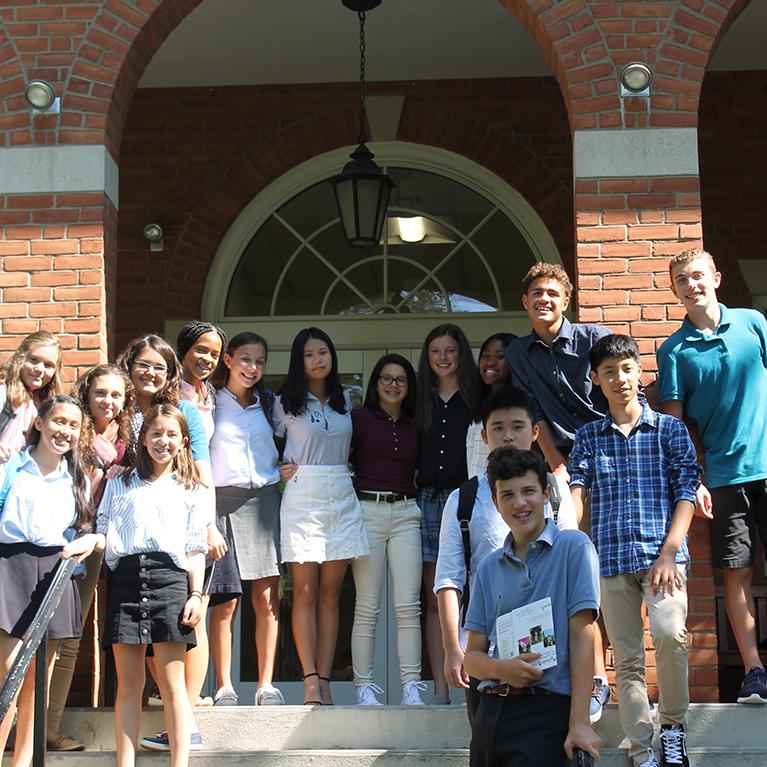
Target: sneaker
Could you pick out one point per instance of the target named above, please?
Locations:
(160, 742)
(204, 702)
(366, 694)
(269, 696)
(411, 693)
(55, 741)
(754, 687)
(651, 760)
(154, 700)
(443, 699)
(673, 747)
(600, 694)
(225, 696)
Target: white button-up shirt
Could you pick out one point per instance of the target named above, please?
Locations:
(38, 509)
(319, 436)
(242, 450)
(145, 516)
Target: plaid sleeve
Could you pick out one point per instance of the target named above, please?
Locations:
(684, 470)
(581, 465)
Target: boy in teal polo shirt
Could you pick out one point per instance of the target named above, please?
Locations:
(713, 372)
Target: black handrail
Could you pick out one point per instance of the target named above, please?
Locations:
(35, 640)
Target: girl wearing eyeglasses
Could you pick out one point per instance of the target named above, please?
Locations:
(385, 458)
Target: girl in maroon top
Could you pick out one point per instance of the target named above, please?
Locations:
(385, 457)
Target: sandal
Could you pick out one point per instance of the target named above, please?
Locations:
(326, 680)
(311, 702)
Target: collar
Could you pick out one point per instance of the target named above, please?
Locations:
(381, 414)
(648, 417)
(226, 392)
(565, 333)
(691, 333)
(29, 464)
(547, 536)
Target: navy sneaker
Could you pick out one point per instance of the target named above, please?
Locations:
(673, 745)
(160, 742)
(754, 687)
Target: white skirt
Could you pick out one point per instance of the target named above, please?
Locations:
(320, 517)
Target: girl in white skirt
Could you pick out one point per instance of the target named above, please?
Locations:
(321, 522)
(46, 504)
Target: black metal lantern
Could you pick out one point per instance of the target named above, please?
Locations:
(362, 189)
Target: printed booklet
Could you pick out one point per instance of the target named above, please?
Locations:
(527, 629)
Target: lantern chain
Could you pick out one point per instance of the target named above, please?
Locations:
(363, 112)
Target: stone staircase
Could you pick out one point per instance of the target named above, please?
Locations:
(719, 735)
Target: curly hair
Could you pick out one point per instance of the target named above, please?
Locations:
(82, 391)
(10, 374)
(171, 392)
(547, 271)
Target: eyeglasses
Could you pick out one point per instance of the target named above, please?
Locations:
(145, 367)
(388, 381)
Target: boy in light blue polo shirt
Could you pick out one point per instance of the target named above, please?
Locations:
(713, 373)
(525, 715)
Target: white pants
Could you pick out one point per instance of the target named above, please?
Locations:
(394, 535)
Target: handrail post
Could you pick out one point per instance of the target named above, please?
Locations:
(41, 702)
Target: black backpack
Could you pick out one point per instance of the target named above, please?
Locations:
(467, 495)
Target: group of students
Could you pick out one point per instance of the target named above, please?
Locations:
(168, 466)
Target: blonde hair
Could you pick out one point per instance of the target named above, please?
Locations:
(686, 256)
(547, 271)
(183, 463)
(10, 374)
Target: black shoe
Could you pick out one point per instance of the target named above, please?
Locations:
(754, 687)
(673, 746)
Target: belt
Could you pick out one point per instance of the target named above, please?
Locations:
(505, 690)
(364, 495)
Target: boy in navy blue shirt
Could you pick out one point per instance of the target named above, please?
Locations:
(526, 716)
(642, 471)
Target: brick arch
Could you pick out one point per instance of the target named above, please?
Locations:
(12, 78)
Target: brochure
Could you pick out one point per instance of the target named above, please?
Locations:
(528, 629)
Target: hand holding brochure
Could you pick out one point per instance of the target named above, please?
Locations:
(528, 629)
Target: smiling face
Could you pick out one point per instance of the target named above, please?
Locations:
(106, 398)
(520, 502)
(443, 354)
(60, 429)
(695, 284)
(163, 439)
(492, 364)
(318, 361)
(201, 360)
(510, 427)
(545, 301)
(39, 366)
(392, 385)
(148, 373)
(246, 365)
(618, 379)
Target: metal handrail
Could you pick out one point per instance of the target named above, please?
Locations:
(35, 642)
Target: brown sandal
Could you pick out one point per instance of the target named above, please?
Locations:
(312, 702)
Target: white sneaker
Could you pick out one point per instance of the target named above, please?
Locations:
(600, 694)
(651, 760)
(411, 693)
(225, 696)
(366, 694)
(269, 696)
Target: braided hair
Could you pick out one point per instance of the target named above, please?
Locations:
(191, 332)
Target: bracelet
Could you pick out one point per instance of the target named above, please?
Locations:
(196, 594)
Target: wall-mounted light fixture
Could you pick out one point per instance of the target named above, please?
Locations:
(154, 235)
(635, 79)
(41, 98)
(362, 189)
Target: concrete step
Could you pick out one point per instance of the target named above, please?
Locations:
(392, 728)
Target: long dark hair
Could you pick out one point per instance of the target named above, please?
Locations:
(294, 390)
(371, 395)
(80, 489)
(426, 393)
(505, 339)
(221, 373)
(170, 393)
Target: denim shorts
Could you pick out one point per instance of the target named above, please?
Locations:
(431, 502)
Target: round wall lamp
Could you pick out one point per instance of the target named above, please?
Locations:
(41, 97)
(154, 235)
(635, 79)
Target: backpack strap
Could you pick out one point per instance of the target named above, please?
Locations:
(12, 466)
(555, 497)
(467, 494)
(6, 414)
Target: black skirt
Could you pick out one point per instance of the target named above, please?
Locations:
(26, 572)
(146, 595)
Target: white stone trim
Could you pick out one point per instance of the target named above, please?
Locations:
(46, 169)
(635, 152)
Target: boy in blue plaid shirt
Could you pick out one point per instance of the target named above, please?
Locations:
(642, 472)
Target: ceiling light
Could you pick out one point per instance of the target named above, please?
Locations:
(411, 229)
(41, 97)
(635, 79)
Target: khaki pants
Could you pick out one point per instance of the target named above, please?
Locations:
(622, 597)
